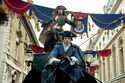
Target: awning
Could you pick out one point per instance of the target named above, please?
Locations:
(42, 13)
(107, 21)
(17, 6)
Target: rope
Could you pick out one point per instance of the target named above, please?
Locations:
(16, 7)
(103, 22)
(27, 6)
(40, 12)
(108, 23)
(98, 20)
(114, 21)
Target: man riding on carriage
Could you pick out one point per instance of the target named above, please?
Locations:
(50, 34)
(65, 63)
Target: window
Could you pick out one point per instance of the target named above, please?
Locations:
(121, 58)
(108, 64)
(17, 49)
(100, 46)
(108, 34)
(113, 70)
(103, 39)
(18, 31)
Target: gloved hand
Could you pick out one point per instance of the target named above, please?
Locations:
(54, 61)
(74, 60)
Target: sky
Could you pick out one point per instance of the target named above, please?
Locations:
(86, 6)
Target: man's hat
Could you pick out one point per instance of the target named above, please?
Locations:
(68, 34)
(60, 7)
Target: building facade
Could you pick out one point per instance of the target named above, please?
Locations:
(112, 68)
(16, 33)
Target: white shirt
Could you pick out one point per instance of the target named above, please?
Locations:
(66, 46)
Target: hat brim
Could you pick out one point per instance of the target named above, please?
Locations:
(68, 34)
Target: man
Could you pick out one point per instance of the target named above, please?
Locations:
(65, 48)
(52, 28)
(64, 57)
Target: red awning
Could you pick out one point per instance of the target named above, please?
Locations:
(80, 15)
(93, 68)
(105, 52)
(17, 6)
(37, 49)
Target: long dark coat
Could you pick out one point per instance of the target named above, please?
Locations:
(64, 72)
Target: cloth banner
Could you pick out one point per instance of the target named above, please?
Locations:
(80, 15)
(37, 49)
(0, 5)
(0, 2)
(107, 21)
(42, 13)
(17, 6)
(92, 68)
(81, 21)
(104, 53)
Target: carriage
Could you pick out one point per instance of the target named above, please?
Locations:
(34, 75)
(41, 60)
(39, 63)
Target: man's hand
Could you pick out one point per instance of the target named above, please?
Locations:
(54, 61)
(74, 60)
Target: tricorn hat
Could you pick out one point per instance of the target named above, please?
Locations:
(68, 34)
(60, 7)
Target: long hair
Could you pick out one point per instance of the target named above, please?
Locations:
(55, 13)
